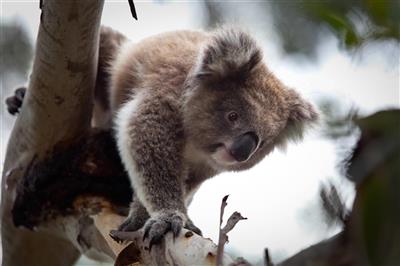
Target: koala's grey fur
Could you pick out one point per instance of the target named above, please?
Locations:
(169, 96)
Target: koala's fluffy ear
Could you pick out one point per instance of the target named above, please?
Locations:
(302, 114)
(230, 53)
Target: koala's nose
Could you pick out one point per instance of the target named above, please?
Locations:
(244, 146)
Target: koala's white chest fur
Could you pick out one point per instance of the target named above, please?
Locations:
(124, 140)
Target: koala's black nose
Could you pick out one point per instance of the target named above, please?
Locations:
(244, 146)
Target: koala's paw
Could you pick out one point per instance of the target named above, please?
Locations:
(14, 102)
(190, 226)
(159, 225)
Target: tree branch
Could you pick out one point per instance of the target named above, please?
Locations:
(187, 249)
(223, 232)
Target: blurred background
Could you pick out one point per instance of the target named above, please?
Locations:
(342, 55)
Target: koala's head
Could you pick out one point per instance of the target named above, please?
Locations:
(236, 110)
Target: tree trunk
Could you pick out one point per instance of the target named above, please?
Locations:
(56, 112)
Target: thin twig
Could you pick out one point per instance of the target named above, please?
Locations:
(267, 258)
(223, 205)
(223, 232)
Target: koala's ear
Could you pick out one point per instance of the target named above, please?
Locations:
(230, 53)
(302, 115)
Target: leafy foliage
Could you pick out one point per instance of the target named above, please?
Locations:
(354, 23)
(375, 167)
(301, 25)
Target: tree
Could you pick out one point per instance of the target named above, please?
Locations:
(54, 111)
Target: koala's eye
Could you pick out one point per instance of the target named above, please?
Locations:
(233, 116)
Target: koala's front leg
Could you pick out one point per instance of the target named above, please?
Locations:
(150, 141)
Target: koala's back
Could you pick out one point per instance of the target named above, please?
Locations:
(159, 63)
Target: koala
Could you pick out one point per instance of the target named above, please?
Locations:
(186, 106)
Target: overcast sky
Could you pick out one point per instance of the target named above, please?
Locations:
(279, 196)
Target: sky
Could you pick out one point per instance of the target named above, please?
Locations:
(279, 196)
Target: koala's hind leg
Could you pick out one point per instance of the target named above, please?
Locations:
(110, 43)
(14, 103)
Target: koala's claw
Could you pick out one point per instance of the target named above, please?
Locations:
(190, 226)
(131, 224)
(14, 102)
(176, 227)
(115, 237)
(156, 228)
(121, 237)
(147, 228)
